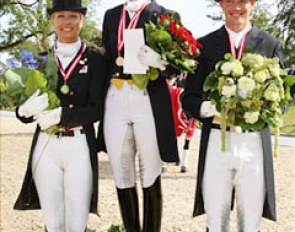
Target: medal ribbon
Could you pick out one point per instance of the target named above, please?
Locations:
(132, 24)
(242, 46)
(66, 75)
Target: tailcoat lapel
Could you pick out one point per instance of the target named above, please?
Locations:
(254, 39)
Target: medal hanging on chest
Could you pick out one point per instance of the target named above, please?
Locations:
(65, 89)
(122, 26)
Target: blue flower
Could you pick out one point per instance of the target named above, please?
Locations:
(25, 55)
(44, 58)
(32, 63)
(13, 63)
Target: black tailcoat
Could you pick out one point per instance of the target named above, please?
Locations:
(158, 90)
(81, 107)
(215, 45)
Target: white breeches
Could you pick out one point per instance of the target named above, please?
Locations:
(63, 176)
(241, 166)
(129, 127)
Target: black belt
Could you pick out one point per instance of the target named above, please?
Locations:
(217, 126)
(69, 133)
(122, 76)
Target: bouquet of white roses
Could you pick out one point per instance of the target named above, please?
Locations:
(21, 78)
(249, 93)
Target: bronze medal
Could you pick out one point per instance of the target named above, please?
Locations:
(120, 61)
(64, 89)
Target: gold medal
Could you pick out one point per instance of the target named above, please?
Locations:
(64, 89)
(120, 61)
(82, 62)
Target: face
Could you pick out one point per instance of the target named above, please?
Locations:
(67, 25)
(237, 13)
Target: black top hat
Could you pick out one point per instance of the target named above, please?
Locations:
(69, 5)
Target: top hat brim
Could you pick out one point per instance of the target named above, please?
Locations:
(82, 10)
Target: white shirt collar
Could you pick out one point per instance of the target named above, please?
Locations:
(66, 52)
(237, 37)
(132, 7)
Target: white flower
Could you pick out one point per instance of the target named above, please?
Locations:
(229, 90)
(245, 85)
(274, 69)
(236, 68)
(272, 93)
(251, 117)
(226, 68)
(253, 60)
(261, 76)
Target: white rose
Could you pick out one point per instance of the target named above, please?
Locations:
(245, 85)
(261, 76)
(226, 68)
(272, 93)
(229, 90)
(236, 68)
(253, 60)
(274, 69)
(251, 117)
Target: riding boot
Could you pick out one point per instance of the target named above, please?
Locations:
(152, 207)
(128, 202)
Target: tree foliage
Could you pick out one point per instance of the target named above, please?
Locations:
(285, 20)
(28, 26)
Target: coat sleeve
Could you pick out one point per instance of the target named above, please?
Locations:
(91, 111)
(23, 119)
(193, 95)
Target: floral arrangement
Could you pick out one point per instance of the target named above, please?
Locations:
(174, 43)
(249, 93)
(21, 78)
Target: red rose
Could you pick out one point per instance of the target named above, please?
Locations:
(163, 18)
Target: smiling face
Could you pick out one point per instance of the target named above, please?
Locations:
(237, 13)
(67, 25)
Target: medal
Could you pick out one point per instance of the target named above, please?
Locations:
(64, 89)
(120, 61)
(65, 74)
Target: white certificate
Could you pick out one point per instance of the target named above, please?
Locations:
(133, 40)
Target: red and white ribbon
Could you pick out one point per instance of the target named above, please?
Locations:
(66, 74)
(132, 24)
(242, 46)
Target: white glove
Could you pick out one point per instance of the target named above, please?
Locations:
(34, 105)
(49, 118)
(149, 57)
(208, 110)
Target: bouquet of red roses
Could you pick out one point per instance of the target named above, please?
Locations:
(174, 43)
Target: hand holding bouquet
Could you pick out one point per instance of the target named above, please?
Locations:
(175, 44)
(249, 93)
(20, 79)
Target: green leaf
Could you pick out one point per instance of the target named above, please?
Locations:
(13, 81)
(211, 82)
(51, 72)
(141, 80)
(35, 81)
(54, 101)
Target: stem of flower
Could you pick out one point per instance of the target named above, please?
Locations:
(276, 142)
